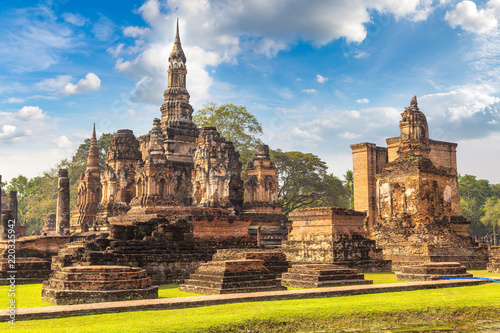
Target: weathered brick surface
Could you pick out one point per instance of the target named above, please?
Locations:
(169, 249)
(321, 275)
(331, 235)
(494, 264)
(28, 270)
(89, 190)
(274, 260)
(413, 201)
(91, 284)
(432, 271)
(231, 276)
(35, 246)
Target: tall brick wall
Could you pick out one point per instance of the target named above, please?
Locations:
(392, 148)
(368, 160)
(443, 154)
(326, 220)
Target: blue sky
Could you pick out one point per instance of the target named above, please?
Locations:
(319, 75)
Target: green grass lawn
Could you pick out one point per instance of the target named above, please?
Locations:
(440, 308)
(30, 295)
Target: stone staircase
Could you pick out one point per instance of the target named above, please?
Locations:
(322, 275)
(231, 276)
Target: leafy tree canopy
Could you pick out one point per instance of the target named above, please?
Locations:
(304, 182)
(37, 196)
(474, 193)
(235, 124)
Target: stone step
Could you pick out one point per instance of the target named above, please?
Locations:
(28, 274)
(234, 278)
(216, 291)
(232, 285)
(337, 283)
(87, 276)
(321, 271)
(66, 297)
(320, 278)
(58, 284)
(428, 277)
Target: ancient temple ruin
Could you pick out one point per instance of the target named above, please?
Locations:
(261, 184)
(410, 193)
(89, 190)
(166, 201)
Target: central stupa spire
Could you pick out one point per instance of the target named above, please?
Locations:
(176, 110)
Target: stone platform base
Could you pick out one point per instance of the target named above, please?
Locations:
(274, 260)
(432, 271)
(320, 275)
(92, 284)
(410, 255)
(28, 270)
(231, 276)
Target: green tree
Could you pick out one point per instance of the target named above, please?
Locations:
(349, 187)
(304, 182)
(37, 197)
(235, 124)
(19, 184)
(41, 201)
(491, 216)
(473, 195)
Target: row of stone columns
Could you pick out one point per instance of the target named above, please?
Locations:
(62, 216)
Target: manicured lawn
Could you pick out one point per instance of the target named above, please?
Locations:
(27, 296)
(390, 277)
(30, 295)
(171, 290)
(448, 308)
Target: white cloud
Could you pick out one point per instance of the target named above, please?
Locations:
(132, 31)
(54, 84)
(471, 19)
(15, 100)
(63, 142)
(104, 29)
(304, 134)
(29, 121)
(349, 135)
(361, 54)
(34, 39)
(89, 83)
(224, 32)
(363, 101)
(115, 51)
(309, 91)
(321, 79)
(8, 131)
(75, 19)
(460, 103)
(131, 112)
(31, 113)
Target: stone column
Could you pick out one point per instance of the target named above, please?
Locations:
(13, 204)
(62, 218)
(4, 224)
